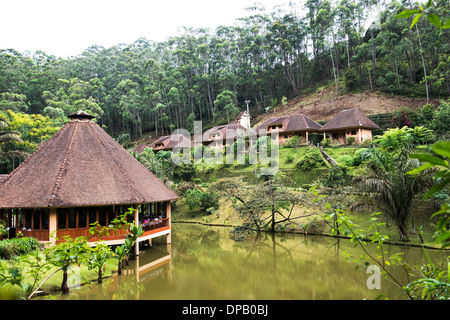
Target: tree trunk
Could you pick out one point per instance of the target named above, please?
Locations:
(64, 287)
(424, 67)
(119, 267)
(100, 275)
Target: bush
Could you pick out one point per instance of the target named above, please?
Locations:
(351, 140)
(337, 175)
(312, 159)
(325, 142)
(196, 198)
(183, 187)
(345, 160)
(293, 142)
(18, 246)
(289, 158)
(184, 172)
(360, 156)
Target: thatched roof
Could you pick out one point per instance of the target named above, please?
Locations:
(81, 165)
(290, 123)
(350, 118)
(230, 131)
(170, 142)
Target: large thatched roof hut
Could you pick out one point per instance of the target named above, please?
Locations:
(79, 176)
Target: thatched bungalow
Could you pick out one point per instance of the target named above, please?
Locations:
(349, 123)
(221, 135)
(79, 176)
(289, 126)
(167, 143)
(243, 118)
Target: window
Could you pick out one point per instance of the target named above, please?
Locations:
(92, 215)
(102, 216)
(111, 215)
(45, 215)
(353, 133)
(280, 126)
(27, 214)
(37, 219)
(72, 218)
(62, 219)
(82, 217)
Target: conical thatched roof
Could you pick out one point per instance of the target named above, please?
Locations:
(81, 165)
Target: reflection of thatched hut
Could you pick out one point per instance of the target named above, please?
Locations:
(82, 175)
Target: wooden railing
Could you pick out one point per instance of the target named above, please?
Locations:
(155, 224)
(149, 226)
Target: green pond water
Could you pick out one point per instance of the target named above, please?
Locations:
(203, 263)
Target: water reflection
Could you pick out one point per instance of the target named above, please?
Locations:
(204, 263)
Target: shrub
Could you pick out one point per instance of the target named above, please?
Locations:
(351, 140)
(345, 160)
(360, 156)
(312, 159)
(183, 187)
(335, 176)
(325, 142)
(289, 158)
(18, 246)
(192, 198)
(293, 142)
(196, 198)
(184, 171)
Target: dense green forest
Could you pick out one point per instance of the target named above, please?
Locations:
(207, 75)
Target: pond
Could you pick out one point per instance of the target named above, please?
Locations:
(204, 263)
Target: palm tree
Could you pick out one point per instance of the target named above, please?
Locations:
(391, 190)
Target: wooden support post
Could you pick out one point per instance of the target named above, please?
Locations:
(52, 225)
(136, 221)
(168, 213)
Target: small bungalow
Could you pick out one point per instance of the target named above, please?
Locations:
(243, 118)
(289, 126)
(79, 176)
(167, 143)
(349, 123)
(221, 135)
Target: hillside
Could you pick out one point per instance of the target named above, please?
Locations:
(323, 104)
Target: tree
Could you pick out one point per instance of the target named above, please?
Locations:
(262, 206)
(97, 258)
(390, 189)
(67, 253)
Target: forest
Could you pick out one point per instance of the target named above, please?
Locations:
(203, 74)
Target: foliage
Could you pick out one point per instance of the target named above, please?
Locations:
(184, 172)
(428, 10)
(438, 158)
(441, 118)
(262, 206)
(336, 176)
(293, 142)
(311, 159)
(160, 164)
(345, 160)
(360, 156)
(390, 189)
(207, 75)
(18, 246)
(195, 198)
